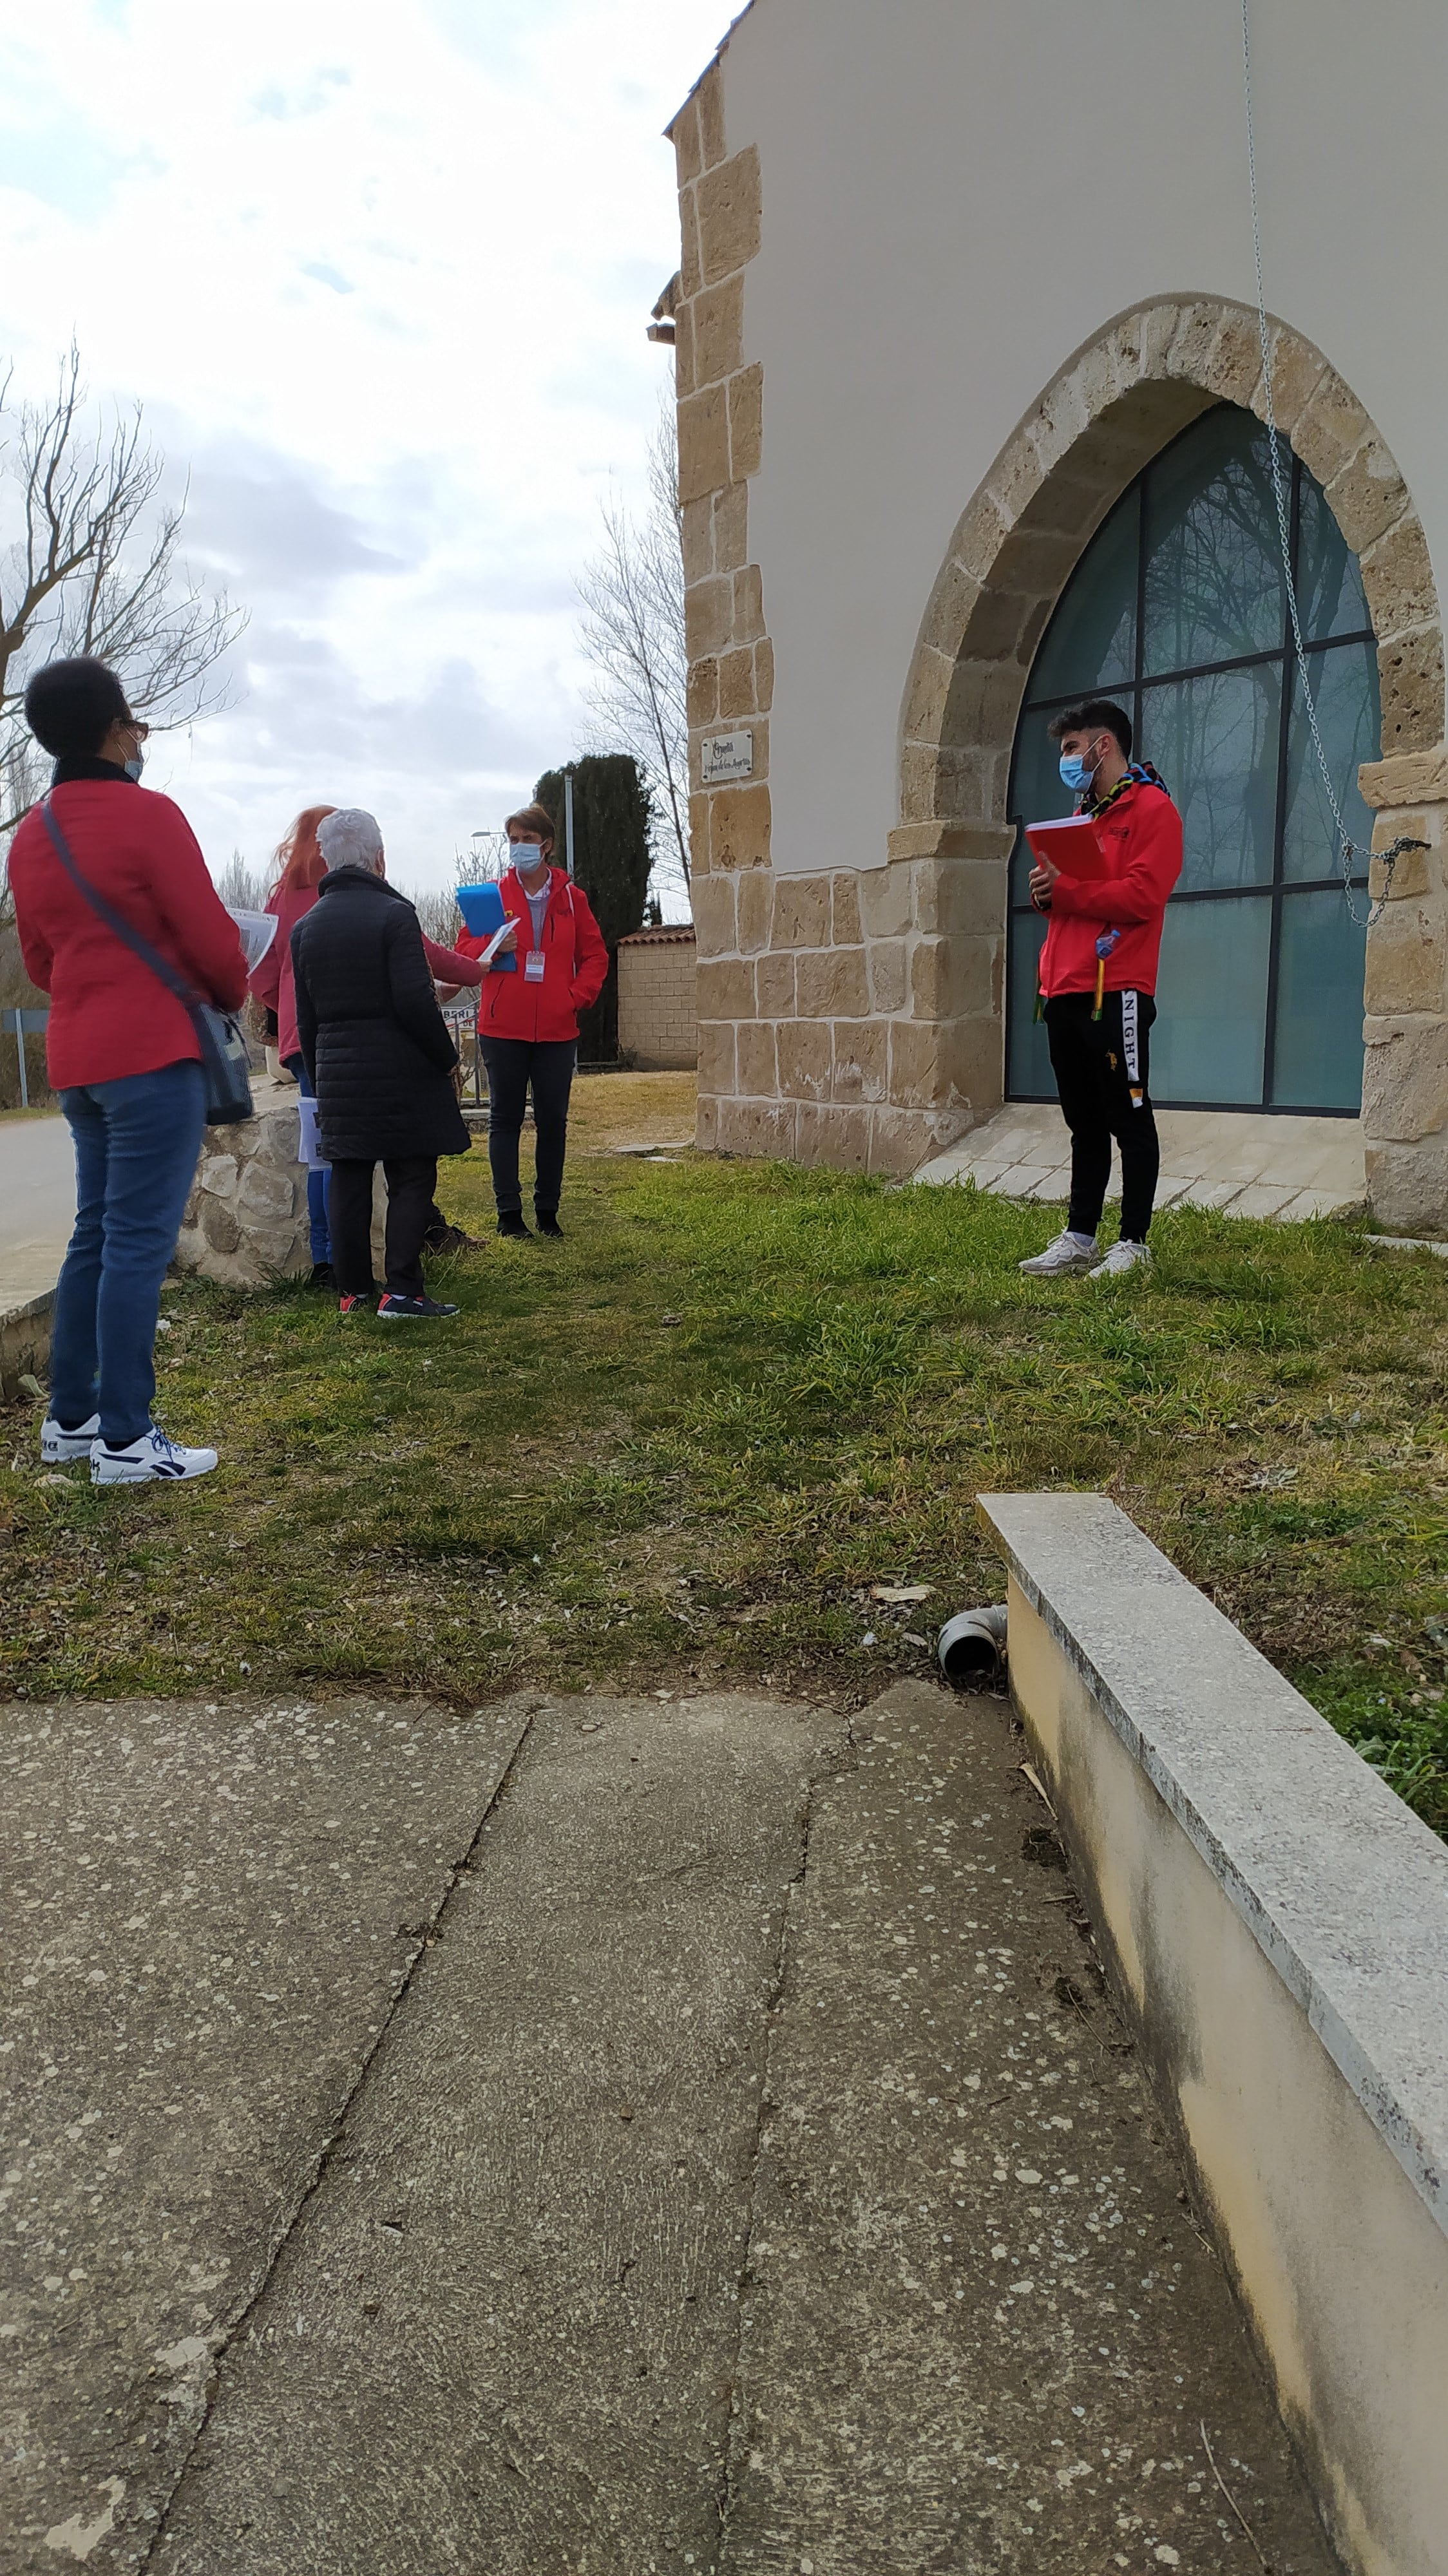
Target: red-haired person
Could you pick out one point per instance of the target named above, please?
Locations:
(528, 1018)
(301, 868)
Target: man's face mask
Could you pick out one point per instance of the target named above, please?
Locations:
(1077, 771)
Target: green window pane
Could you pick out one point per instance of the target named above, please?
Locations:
(1215, 741)
(1344, 684)
(1214, 586)
(1029, 1075)
(1090, 643)
(1317, 1054)
(1211, 993)
(1330, 596)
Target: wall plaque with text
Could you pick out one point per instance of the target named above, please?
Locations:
(726, 755)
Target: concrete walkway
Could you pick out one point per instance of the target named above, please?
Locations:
(1212, 1158)
(588, 2138)
(37, 1205)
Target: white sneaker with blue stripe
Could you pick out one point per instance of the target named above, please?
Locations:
(61, 1448)
(151, 1460)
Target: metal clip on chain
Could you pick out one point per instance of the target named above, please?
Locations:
(1377, 904)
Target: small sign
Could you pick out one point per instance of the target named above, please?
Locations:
(726, 755)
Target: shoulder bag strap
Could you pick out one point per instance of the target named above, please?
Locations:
(139, 947)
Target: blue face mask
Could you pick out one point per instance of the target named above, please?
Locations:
(134, 766)
(1076, 773)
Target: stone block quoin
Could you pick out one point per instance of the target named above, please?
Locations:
(721, 433)
(731, 659)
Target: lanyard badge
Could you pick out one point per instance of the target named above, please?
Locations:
(533, 966)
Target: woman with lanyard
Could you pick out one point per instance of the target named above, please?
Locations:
(549, 964)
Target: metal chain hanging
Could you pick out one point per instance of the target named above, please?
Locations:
(1348, 847)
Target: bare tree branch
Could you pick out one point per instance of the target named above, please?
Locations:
(633, 634)
(90, 562)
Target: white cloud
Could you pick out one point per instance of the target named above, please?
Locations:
(380, 277)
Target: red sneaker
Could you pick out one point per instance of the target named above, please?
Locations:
(354, 1305)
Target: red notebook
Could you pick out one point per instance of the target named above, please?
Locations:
(1073, 845)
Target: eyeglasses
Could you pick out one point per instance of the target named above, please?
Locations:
(134, 725)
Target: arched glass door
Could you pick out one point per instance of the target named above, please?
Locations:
(1178, 611)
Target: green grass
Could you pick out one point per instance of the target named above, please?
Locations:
(689, 1441)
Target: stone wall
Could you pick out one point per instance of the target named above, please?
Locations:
(1405, 1071)
(658, 1027)
(246, 1219)
(851, 1019)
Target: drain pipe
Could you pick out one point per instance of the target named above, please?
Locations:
(972, 1646)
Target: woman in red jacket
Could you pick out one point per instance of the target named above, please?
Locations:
(528, 1019)
(123, 1056)
(302, 868)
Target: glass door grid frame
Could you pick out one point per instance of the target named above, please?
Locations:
(1132, 690)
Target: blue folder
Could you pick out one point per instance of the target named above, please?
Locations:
(484, 911)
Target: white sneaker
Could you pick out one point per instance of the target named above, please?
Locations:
(1061, 1258)
(60, 1448)
(150, 1460)
(1121, 1258)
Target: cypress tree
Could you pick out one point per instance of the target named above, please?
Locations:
(612, 819)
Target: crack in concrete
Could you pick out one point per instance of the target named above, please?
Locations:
(735, 2435)
(423, 1937)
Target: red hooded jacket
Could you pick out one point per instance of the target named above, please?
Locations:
(109, 1015)
(1142, 832)
(274, 984)
(575, 965)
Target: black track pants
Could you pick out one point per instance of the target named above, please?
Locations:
(514, 1063)
(411, 1181)
(1101, 1070)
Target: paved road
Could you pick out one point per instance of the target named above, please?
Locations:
(37, 1205)
(589, 2135)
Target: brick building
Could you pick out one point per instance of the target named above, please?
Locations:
(971, 423)
(657, 1026)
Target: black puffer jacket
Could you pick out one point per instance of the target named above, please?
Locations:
(376, 1044)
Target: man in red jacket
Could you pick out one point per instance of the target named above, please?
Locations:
(123, 1056)
(1098, 980)
(528, 1016)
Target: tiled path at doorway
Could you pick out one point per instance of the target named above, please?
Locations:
(1217, 1158)
(629, 2136)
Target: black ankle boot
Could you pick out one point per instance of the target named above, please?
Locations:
(512, 1224)
(546, 1220)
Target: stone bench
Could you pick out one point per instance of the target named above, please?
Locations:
(1276, 1921)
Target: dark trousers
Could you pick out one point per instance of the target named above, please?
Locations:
(514, 1063)
(1101, 1069)
(411, 1181)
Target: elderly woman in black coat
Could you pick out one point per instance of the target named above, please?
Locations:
(381, 1061)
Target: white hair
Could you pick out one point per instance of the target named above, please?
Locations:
(349, 838)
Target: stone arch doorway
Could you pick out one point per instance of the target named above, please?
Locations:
(1178, 611)
(1123, 400)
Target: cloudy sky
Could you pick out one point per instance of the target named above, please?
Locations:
(379, 276)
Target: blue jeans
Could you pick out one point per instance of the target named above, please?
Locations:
(136, 1145)
(318, 1179)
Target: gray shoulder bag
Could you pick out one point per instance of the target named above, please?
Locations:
(224, 1059)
